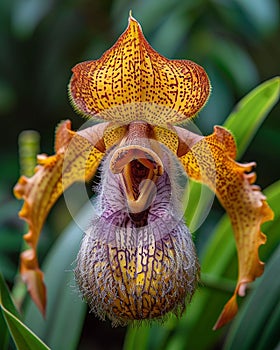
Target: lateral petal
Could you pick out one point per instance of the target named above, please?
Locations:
(76, 159)
(211, 162)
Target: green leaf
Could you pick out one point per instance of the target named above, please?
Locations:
(219, 266)
(136, 338)
(5, 298)
(65, 309)
(23, 337)
(219, 274)
(4, 333)
(251, 111)
(198, 200)
(149, 337)
(257, 326)
(271, 228)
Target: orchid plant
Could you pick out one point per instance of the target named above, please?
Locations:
(137, 259)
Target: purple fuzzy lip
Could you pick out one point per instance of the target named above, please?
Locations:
(137, 265)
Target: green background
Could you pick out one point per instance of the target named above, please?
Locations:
(237, 42)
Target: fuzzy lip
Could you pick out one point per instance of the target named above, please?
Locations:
(139, 168)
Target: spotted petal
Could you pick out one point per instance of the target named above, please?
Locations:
(131, 81)
(76, 159)
(211, 161)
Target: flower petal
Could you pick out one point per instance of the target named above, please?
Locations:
(167, 137)
(131, 73)
(211, 161)
(76, 159)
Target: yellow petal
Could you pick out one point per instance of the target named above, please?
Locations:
(167, 137)
(76, 159)
(211, 161)
(131, 81)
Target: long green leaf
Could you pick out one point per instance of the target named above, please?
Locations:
(4, 333)
(251, 111)
(149, 337)
(136, 338)
(258, 324)
(198, 200)
(272, 227)
(23, 337)
(220, 261)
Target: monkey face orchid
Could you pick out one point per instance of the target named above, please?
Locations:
(137, 260)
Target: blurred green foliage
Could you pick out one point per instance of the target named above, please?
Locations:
(236, 41)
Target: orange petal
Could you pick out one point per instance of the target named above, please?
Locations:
(33, 277)
(211, 161)
(76, 160)
(132, 73)
(228, 313)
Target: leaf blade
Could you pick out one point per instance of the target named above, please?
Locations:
(23, 337)
(264, 320)
(250, 112)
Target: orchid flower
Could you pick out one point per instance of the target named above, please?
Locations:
(137, 259)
